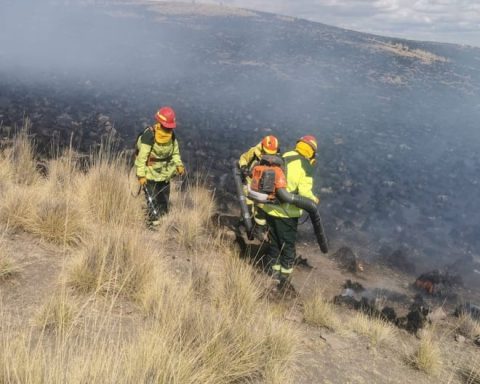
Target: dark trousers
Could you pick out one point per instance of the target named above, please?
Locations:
(282, 233)
(160, 194)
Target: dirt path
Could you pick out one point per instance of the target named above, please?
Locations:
(40, 266)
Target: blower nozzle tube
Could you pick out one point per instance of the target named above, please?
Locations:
(247, 218)
(308, 205)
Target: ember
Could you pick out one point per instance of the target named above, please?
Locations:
(438, 282)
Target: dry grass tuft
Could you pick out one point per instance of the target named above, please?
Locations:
(427, 357)
(58, 314)
(239, 290)
(104, 193)
(320, 312)
(283, 343)
(193, 342)
(471, 374)
(115, 260)
(6, 173)
(58, 220)
(17, 363)
(467, 326)
(44, 213)
(22, 157)
(376, 329)
(8, 268)
(17, 205)
(63, 172)
(190, 216)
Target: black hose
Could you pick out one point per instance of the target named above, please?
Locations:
(308, 205)
(247, 218)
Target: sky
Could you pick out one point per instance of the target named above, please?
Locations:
(450, 21)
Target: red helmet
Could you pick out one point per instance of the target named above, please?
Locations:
(270, 145)
(166, 117)
(310, 140)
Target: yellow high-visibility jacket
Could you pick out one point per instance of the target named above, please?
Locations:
(299, 173)
(251, 157)
(156, 161)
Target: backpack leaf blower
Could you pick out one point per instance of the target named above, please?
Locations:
(268, 186)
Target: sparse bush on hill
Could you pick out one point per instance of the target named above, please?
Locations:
(376, 329)
(427, 357)
(57, 219)
(104, 193)
(20, 157)
(17, 205)
(320, 312)
(116, 260)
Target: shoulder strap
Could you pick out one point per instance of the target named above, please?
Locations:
(289, 159)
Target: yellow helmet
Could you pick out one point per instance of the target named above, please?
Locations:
(307, 146)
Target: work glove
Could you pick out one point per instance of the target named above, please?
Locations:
(316, 200)
(142, 181)
(180, 169)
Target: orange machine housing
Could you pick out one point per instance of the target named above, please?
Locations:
(267, 179)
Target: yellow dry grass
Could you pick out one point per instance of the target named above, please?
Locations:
(238, 291)
(320, 312)
(58, 313)
(58, 220)
(189, 218)
(8, 268)
(467, 326)
(16, 206)
(115, 260)
(404, 50)
(471, 373)
(377, 330)
(427, 356)
(105, 195)
(208, 323)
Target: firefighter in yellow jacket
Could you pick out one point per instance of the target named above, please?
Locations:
(269, 145)
(282, 219)
(158, 161)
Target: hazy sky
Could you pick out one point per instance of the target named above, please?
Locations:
(453, 21)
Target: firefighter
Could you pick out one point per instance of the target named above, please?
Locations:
(157, 162)
(282, 219)
(268, 145)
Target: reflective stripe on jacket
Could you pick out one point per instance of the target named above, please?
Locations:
(299, 173)
(155, 161)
